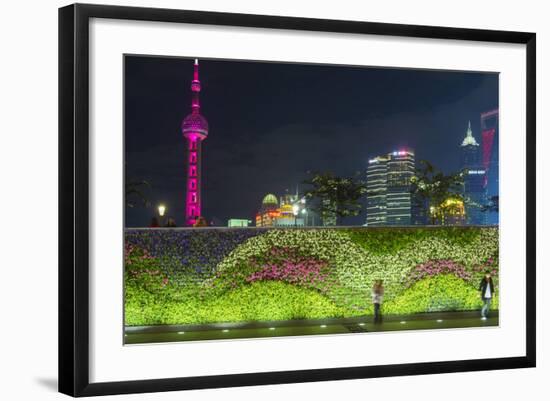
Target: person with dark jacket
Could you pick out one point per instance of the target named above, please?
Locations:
(487, 289)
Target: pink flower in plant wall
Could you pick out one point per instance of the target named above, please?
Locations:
(435, 267)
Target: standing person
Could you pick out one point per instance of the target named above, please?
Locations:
(377, 293)
(487, 289)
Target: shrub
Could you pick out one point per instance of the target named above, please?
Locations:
(259, 301)
(444, 292)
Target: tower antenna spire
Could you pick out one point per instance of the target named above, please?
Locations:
(469, 140)
(196, 88)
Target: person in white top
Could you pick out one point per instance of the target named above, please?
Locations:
(377, 294)
(487, 290)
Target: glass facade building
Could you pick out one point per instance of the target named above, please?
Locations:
(399, 198)
(490, 140)
(389, 198)
(377, 189)
(474, 180)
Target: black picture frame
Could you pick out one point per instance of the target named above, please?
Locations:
(74, 200)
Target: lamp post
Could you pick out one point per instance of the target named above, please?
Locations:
(162, 210)
(295, 211)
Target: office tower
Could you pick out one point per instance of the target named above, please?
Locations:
(490, 140)
(377, 187)
(398, 198)
(389, 198)
(474, 180)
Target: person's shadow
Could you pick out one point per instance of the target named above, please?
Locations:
(47, 382)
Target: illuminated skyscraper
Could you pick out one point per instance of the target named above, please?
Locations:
(377, 188)
(399, 197)
(489, 142)
(474, 180)
(389, 198)
(195, 129)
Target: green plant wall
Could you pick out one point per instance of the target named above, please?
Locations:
(280, 274)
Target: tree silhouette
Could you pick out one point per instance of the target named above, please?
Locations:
(432, 185)
(133, 191)
(337, 197)
(492, 206)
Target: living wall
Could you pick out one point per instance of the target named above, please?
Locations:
(188, 276)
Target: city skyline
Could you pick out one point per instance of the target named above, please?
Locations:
(275, 126)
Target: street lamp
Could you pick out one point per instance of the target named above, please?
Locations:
(162, 210)
(295, 211)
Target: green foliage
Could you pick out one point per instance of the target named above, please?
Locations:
(385, 240)
(336, 196)
(433, 185)
(357, 259)
(260, 301)
(142, 271)
(351, 260)
(439, 293)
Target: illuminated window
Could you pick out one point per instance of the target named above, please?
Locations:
(193, 157)
(192, 185)
(192, 171)
(192, 198)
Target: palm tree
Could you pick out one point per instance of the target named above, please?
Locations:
(133, 191)
(432, 185)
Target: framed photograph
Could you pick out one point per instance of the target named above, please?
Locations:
(249, 199)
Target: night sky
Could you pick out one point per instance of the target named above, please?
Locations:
(269, 123)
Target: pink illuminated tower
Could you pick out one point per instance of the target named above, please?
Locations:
(195, 129)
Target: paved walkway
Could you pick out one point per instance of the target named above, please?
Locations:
(222, 331)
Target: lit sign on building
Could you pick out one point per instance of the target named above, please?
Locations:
(401, 153)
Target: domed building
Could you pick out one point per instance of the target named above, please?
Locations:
(270, 201)
(275, 214)
(268, 212)
(194, 128)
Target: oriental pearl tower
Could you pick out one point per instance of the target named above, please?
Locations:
(195, 129)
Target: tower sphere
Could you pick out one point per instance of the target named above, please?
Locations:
(194, 123)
